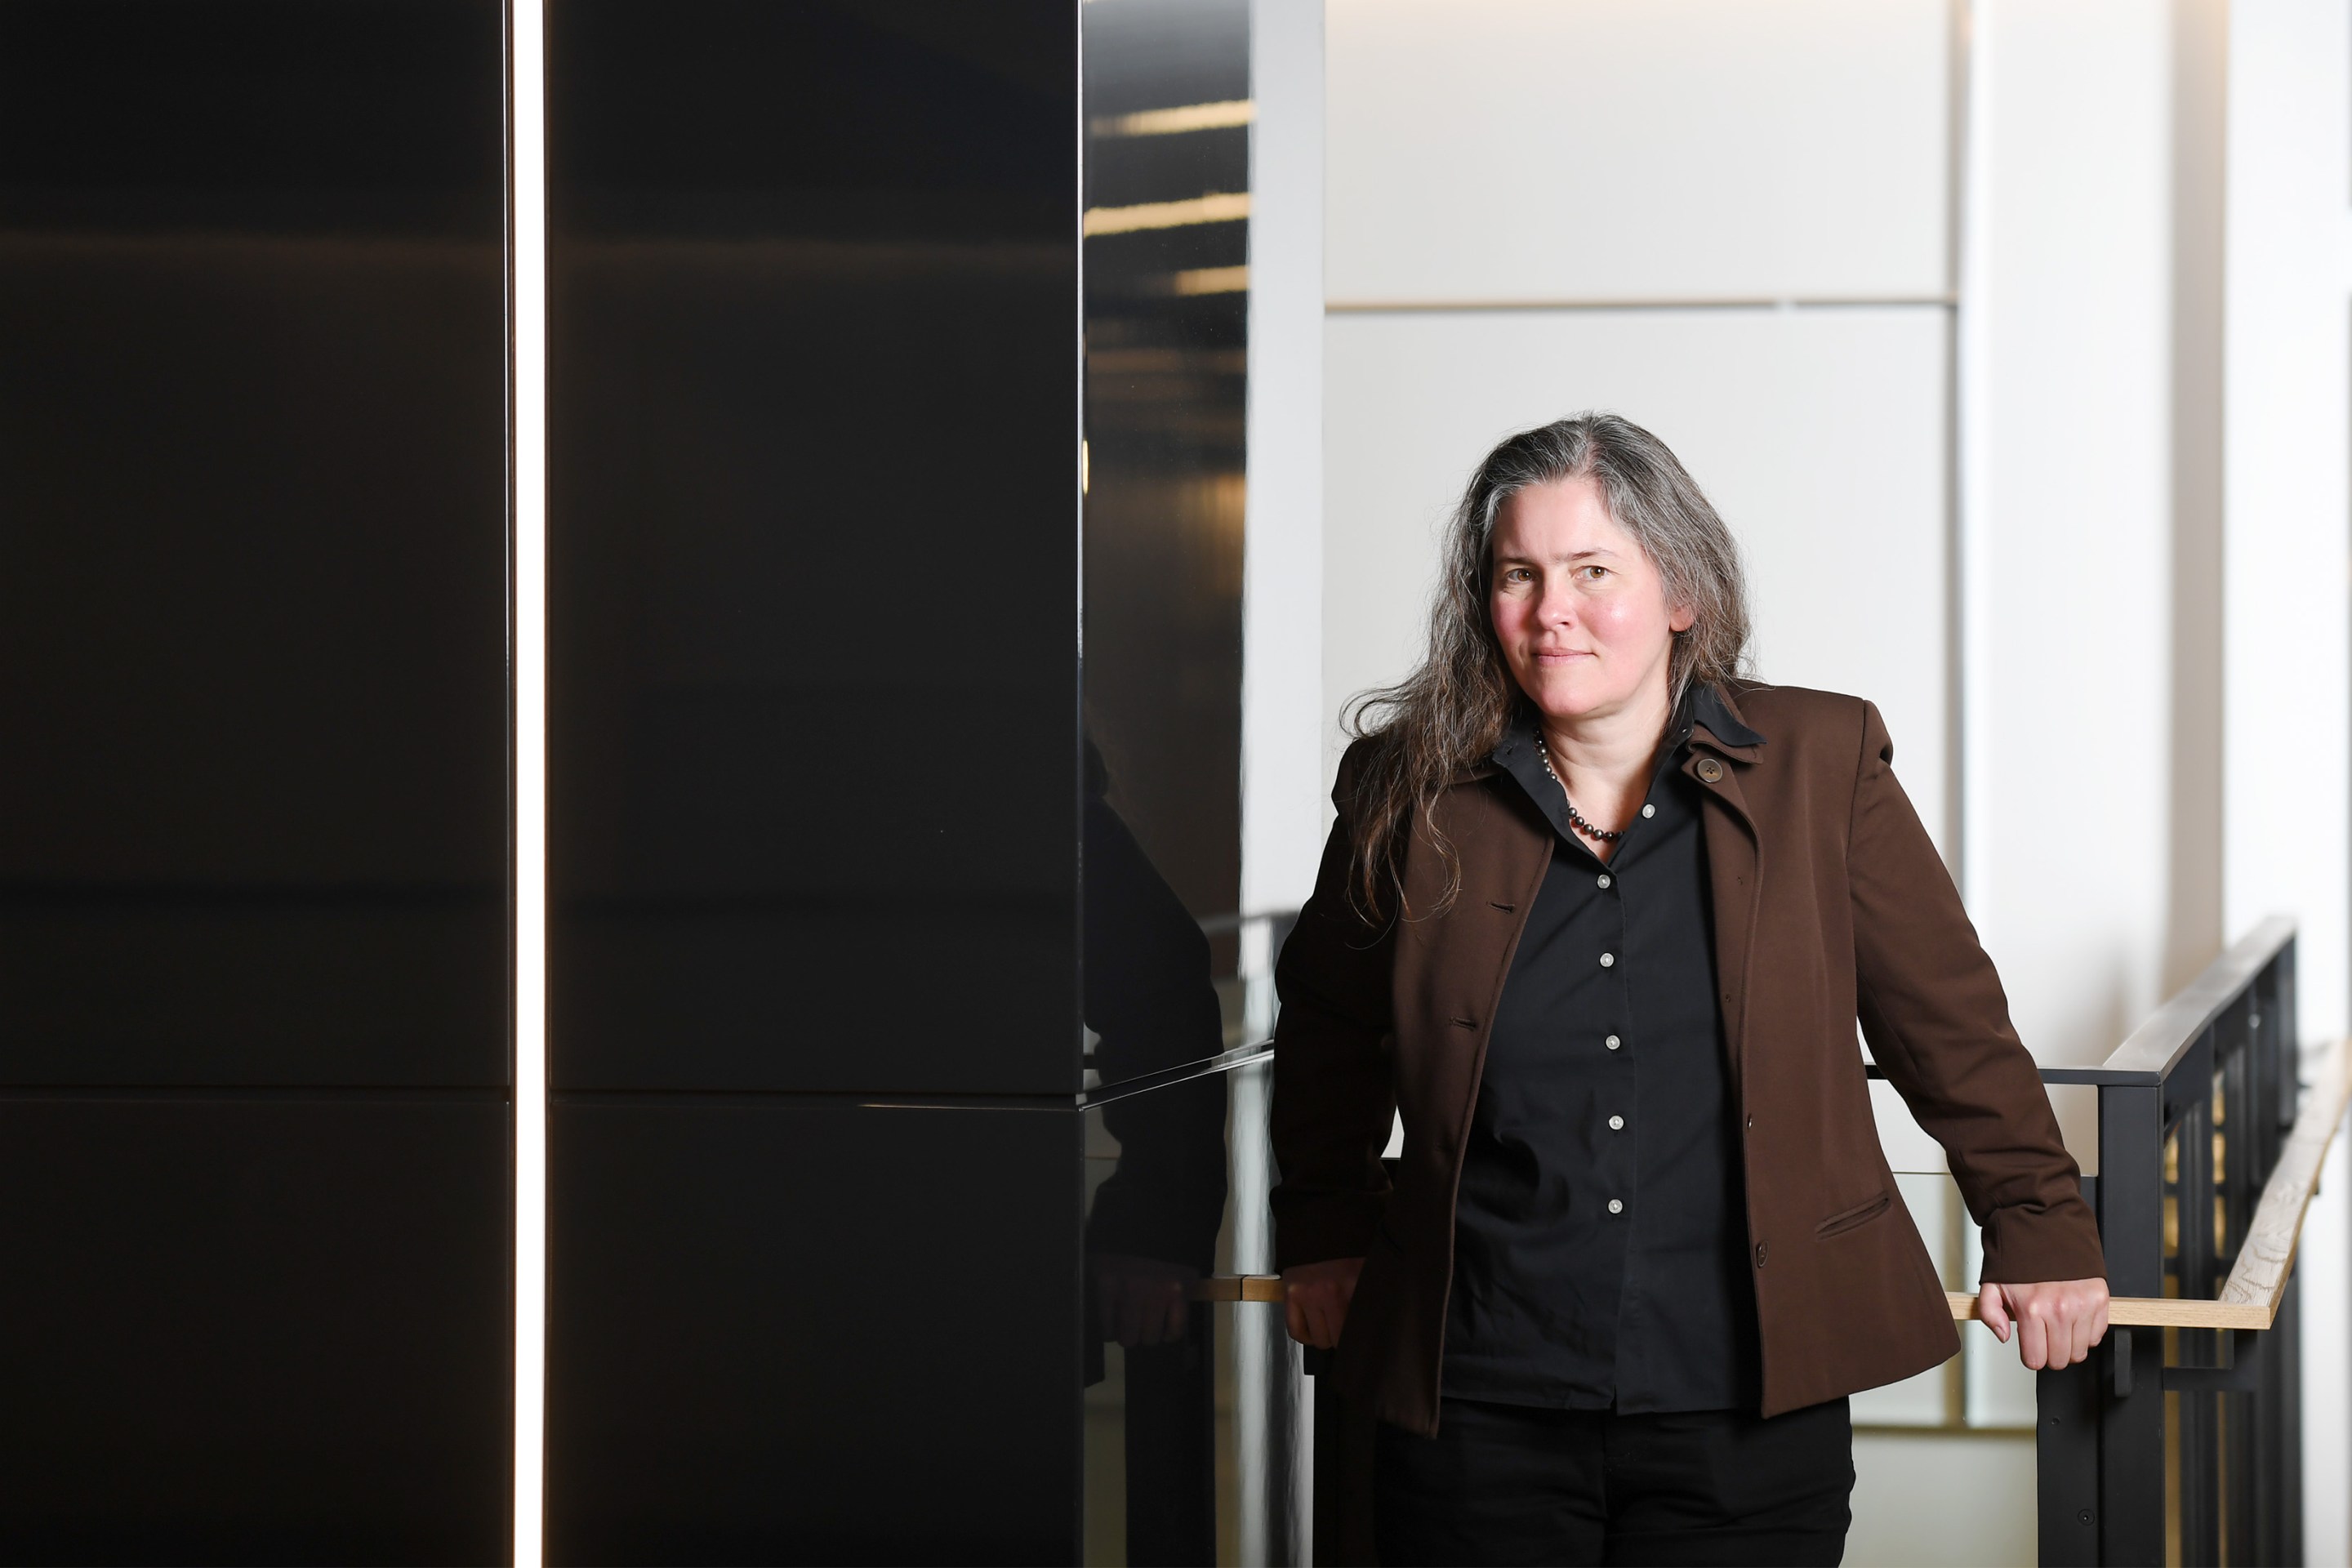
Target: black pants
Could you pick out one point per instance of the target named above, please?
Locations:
(1509, 1484)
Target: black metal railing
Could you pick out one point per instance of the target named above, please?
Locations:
(2175, 1442)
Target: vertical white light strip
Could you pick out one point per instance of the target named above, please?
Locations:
(528, 97)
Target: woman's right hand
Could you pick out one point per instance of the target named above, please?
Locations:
(1316, 1297)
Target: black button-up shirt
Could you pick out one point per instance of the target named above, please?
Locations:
(1600, 1229)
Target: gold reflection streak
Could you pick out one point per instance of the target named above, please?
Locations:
(1222, 116)
(1220, 207)
(1214, 281)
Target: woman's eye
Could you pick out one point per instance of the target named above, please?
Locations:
(1594, 573)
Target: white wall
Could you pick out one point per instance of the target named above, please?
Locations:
(2068, 532)
(2289, 269)
(1565, 150)
(1282, 625)
(2288, 563)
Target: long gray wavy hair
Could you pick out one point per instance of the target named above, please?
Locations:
(1449, 713)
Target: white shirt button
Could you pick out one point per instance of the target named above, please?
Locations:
(1607, 959)
(1649, 811)
(1612, 1042)
(1605, 879)
(1616, 1206)
(1616, 1124)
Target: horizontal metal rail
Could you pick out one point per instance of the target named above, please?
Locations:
(2249, 1298)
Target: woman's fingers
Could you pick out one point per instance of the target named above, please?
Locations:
(2090, 1320)
(2085, 1333)
(2056, 1323)
(1993, 1310)
(1325, 1321)
(1305, 1312)
(1175, 1318)
(1316, 1298)
(1138, 1309)
(2033, 1337)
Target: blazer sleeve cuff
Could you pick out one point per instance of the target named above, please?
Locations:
(2034, 1245)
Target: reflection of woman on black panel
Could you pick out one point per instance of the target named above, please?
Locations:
(1151, 1230)
(1152, 1225)
(1597, 919)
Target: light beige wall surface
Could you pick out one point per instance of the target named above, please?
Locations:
(1942, 1501)
(1550, 150)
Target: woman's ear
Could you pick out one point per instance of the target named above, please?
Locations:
(1681, 618)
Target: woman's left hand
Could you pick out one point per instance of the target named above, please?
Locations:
(2057, 1323)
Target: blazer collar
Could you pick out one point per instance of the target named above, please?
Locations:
(1715, 724)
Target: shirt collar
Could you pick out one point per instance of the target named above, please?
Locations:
(1517, 754)
(1705, 714)
(1716, 723)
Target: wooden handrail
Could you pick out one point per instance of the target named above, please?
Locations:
(2250, 1296)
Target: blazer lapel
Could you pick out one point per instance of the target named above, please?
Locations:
(1722, 748)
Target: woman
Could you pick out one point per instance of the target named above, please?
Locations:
(1598, 917)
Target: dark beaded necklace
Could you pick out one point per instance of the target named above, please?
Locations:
(1574, 816)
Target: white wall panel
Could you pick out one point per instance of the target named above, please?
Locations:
(1821, 434)
(1282, 633)
(1576, 149)
(2070, 532)
(2288, 638)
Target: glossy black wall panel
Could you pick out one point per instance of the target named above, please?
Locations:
(811, 1330)
(248, 1332)
(363, 117)
(253, 749)
(815, 768)
(252, 685)
(813, 507)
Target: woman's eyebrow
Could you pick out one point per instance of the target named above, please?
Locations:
(1515, 558)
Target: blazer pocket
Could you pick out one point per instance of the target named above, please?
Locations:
(1848, 1219)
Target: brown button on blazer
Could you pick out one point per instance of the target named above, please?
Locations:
(1830, 904)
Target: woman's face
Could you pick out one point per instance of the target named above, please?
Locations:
(1580, 610)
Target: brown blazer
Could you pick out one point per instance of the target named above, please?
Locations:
(1830, 904)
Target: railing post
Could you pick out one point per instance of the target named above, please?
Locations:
(2131, 1507)
(2067, 1450)
(2277, 1459)
(2197, 1413)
